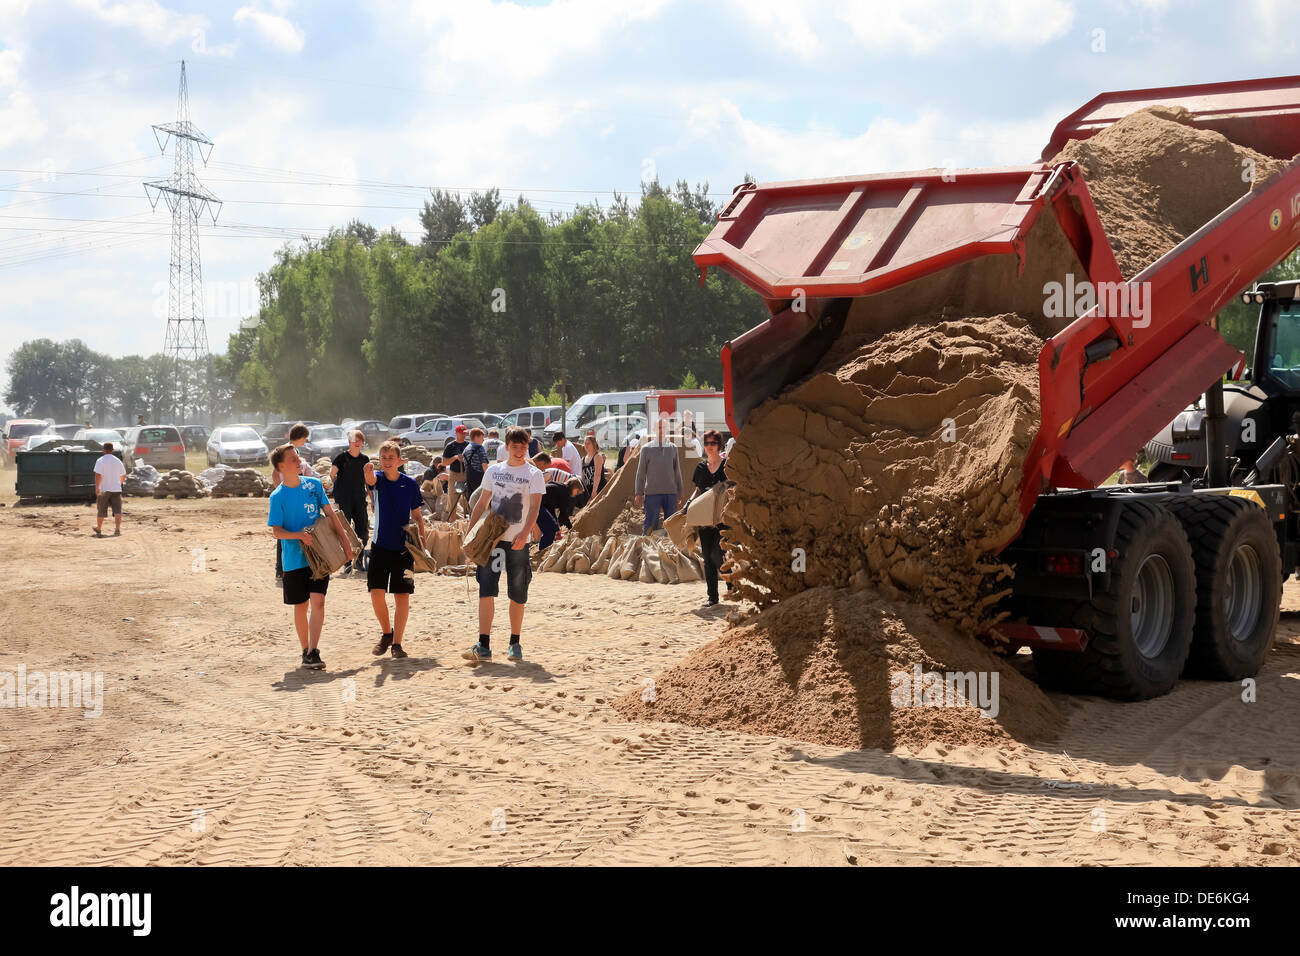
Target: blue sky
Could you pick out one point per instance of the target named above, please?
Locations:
(313, 104)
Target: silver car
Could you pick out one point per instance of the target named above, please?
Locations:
(435, 433)
(157, 445)
(236, 445)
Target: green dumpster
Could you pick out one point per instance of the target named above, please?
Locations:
(58, 474)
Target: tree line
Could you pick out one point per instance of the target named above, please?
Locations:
(496, 303)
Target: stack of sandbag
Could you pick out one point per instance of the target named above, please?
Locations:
(180, 483)
(241, 482)
(325, 554)
(617, 497)
(418, 453)
(441, 548)
(444, 543)
(141, 481)
(322, 468)
(628, 557)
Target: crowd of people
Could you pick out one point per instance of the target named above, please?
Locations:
(534, 492)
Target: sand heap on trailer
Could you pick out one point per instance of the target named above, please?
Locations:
(892, 472)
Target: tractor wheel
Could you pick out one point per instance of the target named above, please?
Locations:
(1238, 584)
(1140, 627)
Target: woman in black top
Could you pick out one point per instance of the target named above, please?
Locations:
(593, 470)
(709, 472)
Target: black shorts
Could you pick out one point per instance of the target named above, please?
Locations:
(518, 572)
(387, 571)
(299, 585)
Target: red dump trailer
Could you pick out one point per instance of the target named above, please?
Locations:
(1117, 590)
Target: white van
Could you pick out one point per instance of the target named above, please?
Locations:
(596, 405)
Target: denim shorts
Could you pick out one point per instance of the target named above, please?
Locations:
(518, 572)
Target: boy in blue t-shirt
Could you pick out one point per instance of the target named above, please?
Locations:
(295, 506)
(396, 499)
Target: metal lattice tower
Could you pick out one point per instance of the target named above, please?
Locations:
(186, 197)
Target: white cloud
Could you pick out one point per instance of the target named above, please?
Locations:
(147, 17)
(279, 31)
(888, 144)
(520, 43)
(925, 26)
(20, 121)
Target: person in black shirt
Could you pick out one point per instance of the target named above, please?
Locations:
(347, 474)
(556, 510)
(712, 470)
(453, 458)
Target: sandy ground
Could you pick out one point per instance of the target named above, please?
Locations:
(214, 747)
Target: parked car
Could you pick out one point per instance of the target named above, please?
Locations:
(324, 440)
(489, 419)
(195, 436)
(68, 430)
(612, 430)
(236, 445)
(277, 433)
(17, 431)
(100, 435)
(434, 433)
(376, 432)
(121, 430)
(536, 417)
(157, 445)
(404, 423)
(52, 439)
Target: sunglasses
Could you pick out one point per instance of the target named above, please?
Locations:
(713, 443)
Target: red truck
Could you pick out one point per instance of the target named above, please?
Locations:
(1107, 383)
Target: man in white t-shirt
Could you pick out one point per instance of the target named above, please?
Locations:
(109, 472)
(569, 454)
(513, 489)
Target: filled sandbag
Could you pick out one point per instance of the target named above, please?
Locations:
(443, 542)
(422, 560)
(678, 530)
(630, 568)
(482, 538)
(601, 565)
(326, 554)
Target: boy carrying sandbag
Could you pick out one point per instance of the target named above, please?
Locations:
(294, 506)
(396, 499)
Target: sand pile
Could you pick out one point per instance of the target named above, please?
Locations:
(898, 469)
(617, 498)
(1156, 180)
(822, 666)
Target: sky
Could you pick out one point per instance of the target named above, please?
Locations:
(322, 112)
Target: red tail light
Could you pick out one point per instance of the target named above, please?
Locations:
(179, 448)
(141, 450)
(1063, 563)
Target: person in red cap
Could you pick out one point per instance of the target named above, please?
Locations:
(453, 456)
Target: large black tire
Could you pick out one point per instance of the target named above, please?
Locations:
(1140, 629)
(1238, 584)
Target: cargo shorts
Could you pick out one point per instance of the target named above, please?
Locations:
(108, 499)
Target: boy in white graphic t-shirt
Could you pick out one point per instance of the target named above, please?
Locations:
(513, 489)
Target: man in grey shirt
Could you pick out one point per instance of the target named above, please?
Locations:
(659, 485)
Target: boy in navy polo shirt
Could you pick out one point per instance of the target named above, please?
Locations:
(295, 505)
(396, 499)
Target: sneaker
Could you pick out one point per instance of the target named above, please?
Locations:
(316, 662)
(117, 532)
(347, 569)
(478, 652)
(398, 653)
(98, 533)
(306, 658)
(384, 644)
(514, 653)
